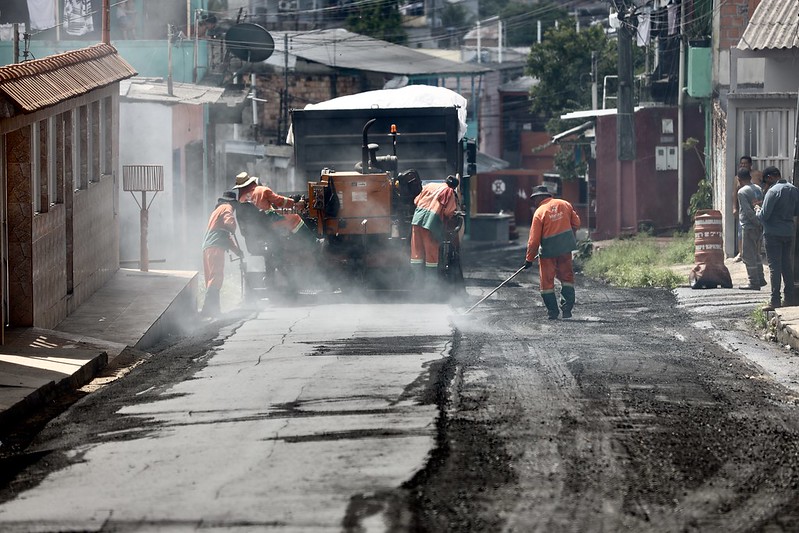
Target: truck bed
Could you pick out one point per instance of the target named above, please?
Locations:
(427, 139)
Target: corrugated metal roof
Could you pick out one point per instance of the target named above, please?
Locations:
(773, 26)
(590, 113)
(157, 90)
(39, 83)
(343, 49)
(522, 84)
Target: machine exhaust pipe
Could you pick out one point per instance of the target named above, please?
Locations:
(365, 147)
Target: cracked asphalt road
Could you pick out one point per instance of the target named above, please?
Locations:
(646, 412)
(634, 416)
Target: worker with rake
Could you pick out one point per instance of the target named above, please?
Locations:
(552, 239)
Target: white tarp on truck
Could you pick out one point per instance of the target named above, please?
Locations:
(411, 96)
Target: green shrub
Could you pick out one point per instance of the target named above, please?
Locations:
(638, 262)
(680, 251)
(702, 198)
(759, 318)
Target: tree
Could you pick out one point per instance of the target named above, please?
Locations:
(455, 16)
(521, 21)
(562, 64)
(489, 8)
(381, 20)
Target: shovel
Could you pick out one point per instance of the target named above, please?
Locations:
(242, 266)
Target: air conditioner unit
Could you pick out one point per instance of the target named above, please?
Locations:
(287, 5)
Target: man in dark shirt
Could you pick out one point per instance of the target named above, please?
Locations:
(780, 206)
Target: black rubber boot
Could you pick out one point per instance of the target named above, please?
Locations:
(551, 301)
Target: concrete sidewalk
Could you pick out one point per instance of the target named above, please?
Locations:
(134, 309)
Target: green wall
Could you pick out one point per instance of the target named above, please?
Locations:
(149, 58)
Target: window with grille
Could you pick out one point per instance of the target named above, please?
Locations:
(767, 136)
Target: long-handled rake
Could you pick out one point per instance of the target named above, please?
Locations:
(484, 298)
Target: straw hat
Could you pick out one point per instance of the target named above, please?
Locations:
(243, 179)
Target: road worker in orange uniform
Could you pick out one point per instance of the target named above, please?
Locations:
(219, 237)
(434, 206)
(552, 239)
(267, 200)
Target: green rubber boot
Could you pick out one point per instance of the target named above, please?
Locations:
(551, 301)
(432, 282)
(567, 300)
(306, 235)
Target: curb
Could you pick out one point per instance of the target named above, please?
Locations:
(787, 332)
(34, 401)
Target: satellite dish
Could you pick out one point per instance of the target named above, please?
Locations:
(249, 42)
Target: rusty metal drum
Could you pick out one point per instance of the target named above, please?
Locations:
(708, 238)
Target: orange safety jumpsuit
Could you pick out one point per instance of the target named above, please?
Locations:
(552, 240)
(218, 239)
(434, 205)
(266, 199)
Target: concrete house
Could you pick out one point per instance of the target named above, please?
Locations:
(59, 205)
(313, 67)
(761, 104)
(168, 130)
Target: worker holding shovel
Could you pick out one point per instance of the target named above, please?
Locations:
(219, 237)
(552, 239)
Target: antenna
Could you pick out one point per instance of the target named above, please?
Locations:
(249, 42)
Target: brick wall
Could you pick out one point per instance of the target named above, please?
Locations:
(60, 255)
(303, 90)
(734, 15)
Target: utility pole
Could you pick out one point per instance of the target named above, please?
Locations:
(106, 22)
(500, 29)
(795, 179)
(285, 83)
(680, 119)
(16, 42)
(169, 35)
(479, 42)
(594, 82)
(625, 123)
(195, 55)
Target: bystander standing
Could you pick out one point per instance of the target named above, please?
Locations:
(780, 206)
(749, 197)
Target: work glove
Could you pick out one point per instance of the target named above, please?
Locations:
(527, 264)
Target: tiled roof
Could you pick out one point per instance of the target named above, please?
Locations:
(157, 90)
(773, 26)
(39, 83)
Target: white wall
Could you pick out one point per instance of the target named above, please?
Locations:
(751, 71)
(782, 75)
(145, 138)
